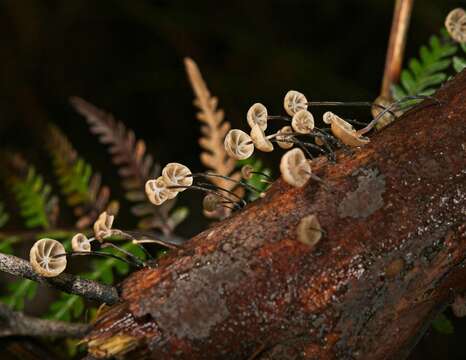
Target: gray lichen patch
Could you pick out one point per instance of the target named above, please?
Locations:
(367, 198)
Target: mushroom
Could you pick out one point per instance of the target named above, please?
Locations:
(257, 115)
(295, 168)
(387, 117)
(238, 144)
(47, 257)
(247, 172)
(210, 203)
(157, 192)
(103, 226)
(260, 141)
(309, 231)
(344, 131)
(303, 122)
(294, 101)
(80, 243)
(175, 174)
(285, 141)
(456, 24)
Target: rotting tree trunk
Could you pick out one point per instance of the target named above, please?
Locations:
(392, 256)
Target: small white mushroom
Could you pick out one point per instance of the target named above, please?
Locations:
(80, 243)
(44, 259)
(103, 226)
(456, 24)
(303, 122)
(238, 144)
(344, 131)
(175, 174)
(247, 172)
(257, 115)
(387, 117)
(260, 141)
(309, 231)
(157, 191)
(285, 142)
(295, 168)
(294, 101)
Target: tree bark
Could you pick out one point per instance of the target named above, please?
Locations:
(391, 257)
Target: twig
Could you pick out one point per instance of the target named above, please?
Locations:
(396, 45)
(16, 323)
(88, 289)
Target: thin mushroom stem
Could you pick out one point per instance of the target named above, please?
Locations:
(394, 106)
(347, 103)
(127, 253)
(207, 190)
(239, 182)
(211, 186)
(97, 253)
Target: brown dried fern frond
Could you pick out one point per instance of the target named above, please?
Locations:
(82, 188)
(213, 131)
(135, 166)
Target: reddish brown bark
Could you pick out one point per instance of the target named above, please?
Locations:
(391, 257)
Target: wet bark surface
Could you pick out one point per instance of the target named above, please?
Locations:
(391, 257)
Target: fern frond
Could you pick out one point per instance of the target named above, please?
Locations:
(425, 74)
(213, 131)
(459, 62)
(135, 165)
(35, 200)
(82, 188)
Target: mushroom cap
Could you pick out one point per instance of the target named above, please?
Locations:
(81, 243)
(43, 260)
(303, 122)
(157, 192)
(210, 203)
(284, 141)
(295, 168)
(238, 144)
(455, 23)
(103, 225)
(257, 115)
(309, 231)
(260, 141)
(246, 171)
(294, 101)
(175, 174)
(344, 131)
(387, 117)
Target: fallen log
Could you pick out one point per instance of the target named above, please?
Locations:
(392, 255)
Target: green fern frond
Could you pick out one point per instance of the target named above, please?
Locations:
(35, 200)
(459, 62)
(425, 74)
(18, 292)
(82, 188)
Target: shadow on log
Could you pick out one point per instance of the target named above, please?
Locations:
(392, 256)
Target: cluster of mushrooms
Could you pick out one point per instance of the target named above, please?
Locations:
(294, 166)
(48, 256)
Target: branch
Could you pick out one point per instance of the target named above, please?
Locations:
(88, 289)
(14, 323)
(391, 256)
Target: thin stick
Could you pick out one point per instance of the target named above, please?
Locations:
(16, 323)
(88, 289)
(396, 46)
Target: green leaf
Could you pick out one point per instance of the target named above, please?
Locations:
(459, 63)
(33, 197)
(18, 292)
(425, 74)
(443, 325)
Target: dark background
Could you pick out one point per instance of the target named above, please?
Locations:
(126, 56)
